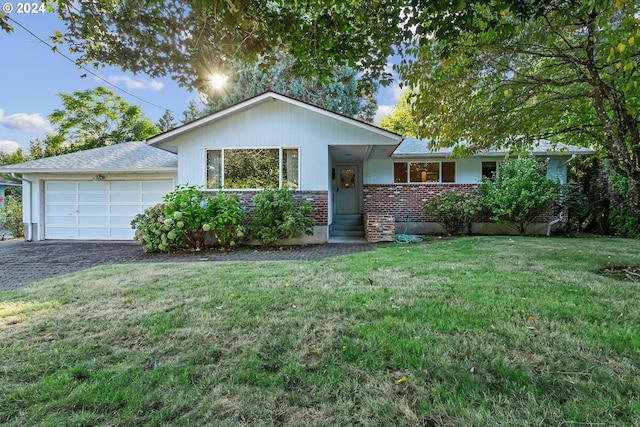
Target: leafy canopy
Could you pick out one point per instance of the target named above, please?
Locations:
(92, 118)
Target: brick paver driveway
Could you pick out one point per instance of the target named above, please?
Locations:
(23, 262)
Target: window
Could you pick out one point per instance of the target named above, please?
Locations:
(237, 168)
(424, 172)
(489, 169)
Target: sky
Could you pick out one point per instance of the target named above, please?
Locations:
(32, 76)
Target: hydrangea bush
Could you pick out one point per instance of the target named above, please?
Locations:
(185, 216)
(277, 216)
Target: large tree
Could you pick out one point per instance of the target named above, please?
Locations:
(569, 75)
(402, 118)
(92, 118)
(339, 92)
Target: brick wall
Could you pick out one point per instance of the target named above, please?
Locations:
(405, 201)
(379, 227)
(320, 200)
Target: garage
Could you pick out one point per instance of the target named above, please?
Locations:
(98, 210)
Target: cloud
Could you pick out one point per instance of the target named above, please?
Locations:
(9, 146)
(135, 84)
(381, 112)
(25, 122)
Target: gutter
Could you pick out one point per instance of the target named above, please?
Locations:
(28, 226)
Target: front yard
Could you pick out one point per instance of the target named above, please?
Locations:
(449, 332)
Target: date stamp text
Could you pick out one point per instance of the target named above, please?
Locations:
(23, 8)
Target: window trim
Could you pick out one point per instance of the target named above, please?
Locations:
(222, 179)
(497, 162)
(440, 162)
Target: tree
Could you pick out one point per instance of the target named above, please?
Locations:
(519, 192)
(93, 118)
(191, 113)
(401, 120)
(166, 122)
(569, 75)
(338, 93)
(191, 39)
(11, 158)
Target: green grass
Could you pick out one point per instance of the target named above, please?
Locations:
(481, 331)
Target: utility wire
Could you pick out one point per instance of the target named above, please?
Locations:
(56, 50)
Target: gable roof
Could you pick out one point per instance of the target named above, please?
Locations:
(266, 97)
(125, 157)
(422, 148)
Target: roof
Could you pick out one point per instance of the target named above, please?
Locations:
(266, 97)
(125, 157)
(6, 182)
(422, 148)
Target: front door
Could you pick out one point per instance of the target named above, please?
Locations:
(347, 190)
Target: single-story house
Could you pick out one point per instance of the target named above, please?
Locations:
(363, 180)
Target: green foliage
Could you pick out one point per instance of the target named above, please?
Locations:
(11, 158)
(454, 211)
(92, 118)
(277, 216)
(11, 216)
(185, 216)
(166, 122)
(576, 203)
(624, 222)
(339, 92)
(518, 192)
(401, 120)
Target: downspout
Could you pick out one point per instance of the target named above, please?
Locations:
(28, 235)
(561, 215)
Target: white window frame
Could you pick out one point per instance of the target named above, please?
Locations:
(408, 163)
(222, 172)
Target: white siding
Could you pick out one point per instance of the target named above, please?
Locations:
(271, 124)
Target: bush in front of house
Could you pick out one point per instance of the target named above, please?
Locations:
(11, 216)
(454, 211)
(278, 216)
(519, 192)
(185, 216)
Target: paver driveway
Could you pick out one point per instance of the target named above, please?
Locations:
(23, 262)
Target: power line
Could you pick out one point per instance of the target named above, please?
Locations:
(55, 49)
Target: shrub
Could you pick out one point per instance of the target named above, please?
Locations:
(277, 216)
(11, 216)
(185, 216)
(519, 192)
(454, 211)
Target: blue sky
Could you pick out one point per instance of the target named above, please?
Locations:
(32, 75)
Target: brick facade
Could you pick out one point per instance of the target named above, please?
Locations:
(379, 227)
(405, 201)
(320, 201)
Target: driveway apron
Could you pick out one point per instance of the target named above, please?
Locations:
(23, 262)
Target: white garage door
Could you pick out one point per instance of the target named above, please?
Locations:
(100, 210)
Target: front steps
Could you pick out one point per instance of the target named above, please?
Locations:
(347, 226)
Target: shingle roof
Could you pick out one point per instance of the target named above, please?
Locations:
(125, 157)
(421, 147)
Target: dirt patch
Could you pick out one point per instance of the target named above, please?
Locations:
(622, 272)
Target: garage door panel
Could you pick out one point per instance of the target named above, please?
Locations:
(93, 221)
(122, 222)
(128, 210)
(125, 197)
(62, 186)
(59, 210)
(93, 209)
(98, 233)
(93, 186)
(93, 198)
(66, 221)
(163, 187)
(98, 210)
(126, 186)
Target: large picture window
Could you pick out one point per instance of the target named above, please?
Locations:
(424, 172)
(254, 168)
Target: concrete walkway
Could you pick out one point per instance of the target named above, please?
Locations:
(23, 262)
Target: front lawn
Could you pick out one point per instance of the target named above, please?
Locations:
(479, 331)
